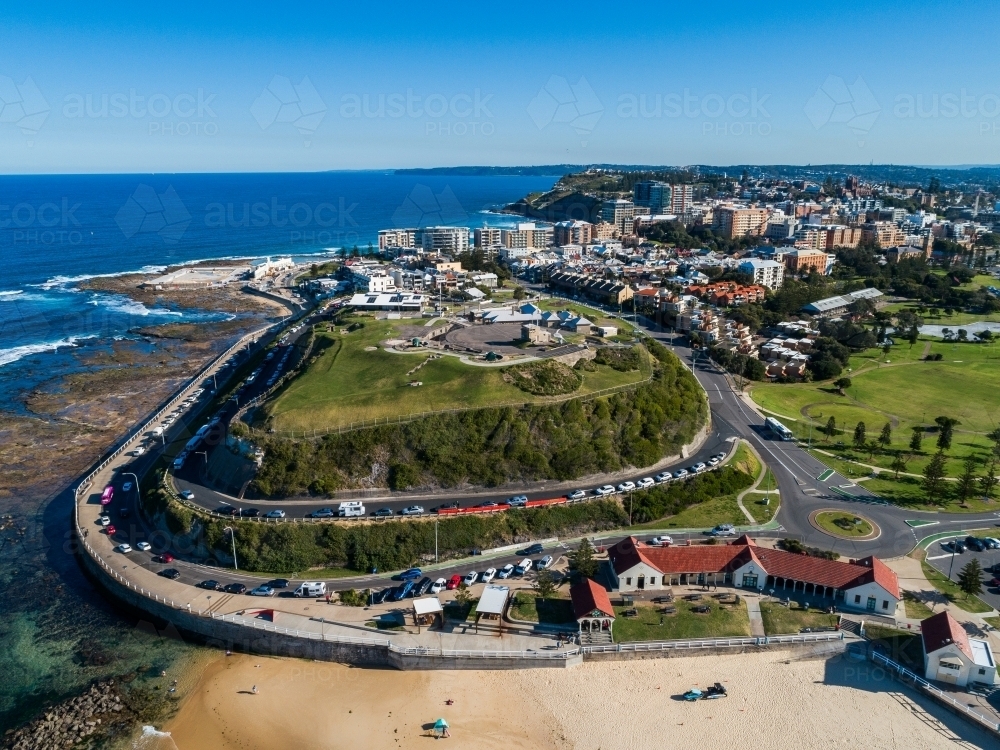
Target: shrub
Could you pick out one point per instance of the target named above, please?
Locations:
(545, 378)
(623, 359)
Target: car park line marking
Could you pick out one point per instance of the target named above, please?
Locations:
(937, 557)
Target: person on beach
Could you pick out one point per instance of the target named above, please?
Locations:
(254, 690)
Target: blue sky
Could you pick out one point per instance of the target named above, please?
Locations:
(139, 87)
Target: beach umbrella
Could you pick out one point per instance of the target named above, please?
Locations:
(440, 724)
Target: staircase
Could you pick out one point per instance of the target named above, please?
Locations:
(597, 638)
(850, 626)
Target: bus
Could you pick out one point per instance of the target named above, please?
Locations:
(780, 431)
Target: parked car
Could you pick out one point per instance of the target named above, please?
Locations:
(164, 557)
(275, 514)
(534, 549)
(410, 575)
(518, 501)
(187, 494)
(448, 506)
(380, 596)
(383, 513)
(488, 504)
(626, 486)
(700, 466)
(954, 546)
(262, 590)
(210, 585)
(423, 587)
(250, 513)
(661, 541)
(645, 482)
(278, 583)
(453, 582)
(172, 573)
(544, 563)
(995, 582)
(523, 567)
(974, 543)
(713, 461)
(235, 588)
(506, 571)
(144, 546)
(488, 575)
(723, 529)
(663, 476)
(577, 495)
(104, 520)
(124, 548)
(110, 529)
(228, 510)
(401, 592)
(680, 473)
(323, 513)
(993, 543)
(438, 586)
(605, 490)
(127, 487)
(720, 456)
(413, 510)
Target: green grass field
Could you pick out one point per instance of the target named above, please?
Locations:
(781, 620)
(356, 380)
(723, 621)
(952, 592)
(905, 392)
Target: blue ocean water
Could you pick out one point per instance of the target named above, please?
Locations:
(57, 230)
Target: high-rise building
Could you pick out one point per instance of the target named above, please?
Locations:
(388, 238)
(573, 233)
(885, 233)
(487, 236)
(526, 235)
(661, 197)
(680, 199)
(806, 260)
(620, 213)
(451, 240)
(733, 222)
(769, 273)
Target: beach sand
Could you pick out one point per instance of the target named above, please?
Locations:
(775, 702)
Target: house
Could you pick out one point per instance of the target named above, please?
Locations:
(536, 334)
(951, 656)
(593, 611)
(395, 301)
(866, 585)
(579, 324)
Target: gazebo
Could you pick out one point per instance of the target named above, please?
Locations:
(592, 608)
(491, 606)
(426, 611)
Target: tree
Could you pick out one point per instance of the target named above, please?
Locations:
(519, 293)
(995, 437)
(871, 446)
(916, 439)
(934, 474)
(581, 560)
(970, 578)
(859, 435)
(898, 465)
(967, 480)
(544, 584)
(946, 430)
(885, 437)
(831, 427)
(988, 481)
(463, 595)
(842, 384)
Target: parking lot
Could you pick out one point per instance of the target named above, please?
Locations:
(951, 565)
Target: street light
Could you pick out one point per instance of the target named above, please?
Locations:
(232, 535)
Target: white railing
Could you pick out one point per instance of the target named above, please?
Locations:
(482, 654)
(702, 643)
(939, 694)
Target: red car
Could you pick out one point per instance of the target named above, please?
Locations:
(995, 582)
(166, 557)
(453, 582)
(109, 529)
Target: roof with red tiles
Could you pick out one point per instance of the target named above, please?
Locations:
(588, 596)
(775, 562)
(942, 630)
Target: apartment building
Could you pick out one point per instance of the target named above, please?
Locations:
(662, 197)
(767, 273)
(392, 238)
(806, 260)
(451, 240)
(574, 233)
(885, 233)
(732, 222)
(486, 237)
(619, 213)
(827, 236)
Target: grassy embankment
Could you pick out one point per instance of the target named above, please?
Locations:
(905, 392)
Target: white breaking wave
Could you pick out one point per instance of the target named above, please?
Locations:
(18, 295)
(65, 281)
(11, 294)
(20, 352)
(127, 306)
(153, 739)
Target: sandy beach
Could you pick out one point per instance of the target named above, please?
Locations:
(775, 702)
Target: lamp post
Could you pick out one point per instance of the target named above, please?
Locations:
(232, 535)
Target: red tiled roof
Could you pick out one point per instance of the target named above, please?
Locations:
(589, 595)
(943, 630)
(779, 563)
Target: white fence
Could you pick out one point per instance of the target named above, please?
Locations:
(919, 682)
(703, 643)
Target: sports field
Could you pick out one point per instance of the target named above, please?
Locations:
(356, 380)
(905, 392)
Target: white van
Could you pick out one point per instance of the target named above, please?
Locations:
(311, 588)
(523, 567)
(350, 510)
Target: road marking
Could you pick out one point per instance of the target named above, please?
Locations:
(937, 557)
(825, 475)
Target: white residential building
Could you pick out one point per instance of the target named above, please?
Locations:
(767, 273)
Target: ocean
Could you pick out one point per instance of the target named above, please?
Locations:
(58, 633)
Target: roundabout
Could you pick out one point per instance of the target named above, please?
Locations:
(844, 525)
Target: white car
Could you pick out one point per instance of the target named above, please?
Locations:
(713, 461)
(723, 529)
(144, 546)
(661, 541)
(275, 514)
(438, 586)
(488, 575)
(138, 451)
(413, 510)
(578, 495)
(187, 494)
(664, 476)
(680, 473)
(506, 571)
(470, 578)
(994, 543)
(626, 486)
(104, 520)
(605, 490)
(645, 482)
(544, 563)
(700, 467)
(124, 548)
